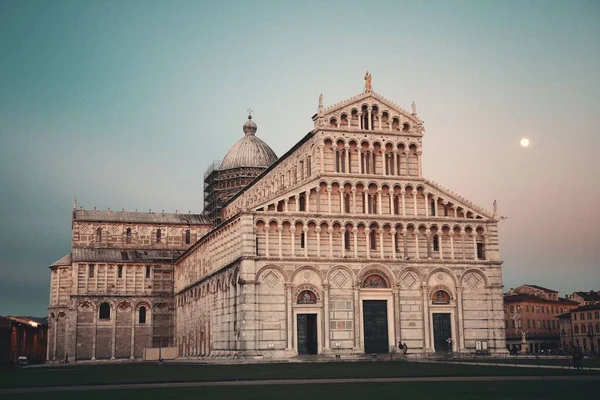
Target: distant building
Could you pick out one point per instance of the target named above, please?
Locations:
(22, 337)
(580, 327)
(530, 313)
(585, 298)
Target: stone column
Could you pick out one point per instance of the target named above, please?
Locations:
(426, 196)
(133, 333)
(391, 198)
(368, 241)
(426, 344)
(428, 240)
(285, 204)
(308, 200)
(474, 235)
(396, 166)
(381, 242)
(114, 333)
(407, 163)
(396, 305)
(461, 330)
(365, 201)
(267, 229)
(290, 316)
(342, 201)
(305, 231)
(462, 241)
(322, 160)
(329, 199)
(96, 311)
(356, 318)
(347, 159)
(318, 232)
(404, 241)
(394, 242)
(353, 209)
(416, 233)
(441, 243)
(355, 232)
(360, 169)
(403, 199)
(369, 109)
(330, 231)
(293, 237)
(343, 230)
(436, 208)
(279, 231)
(379, 191)
(326, 316)
(415, 208)
(451, 234)
(419, 162)
(379, 122)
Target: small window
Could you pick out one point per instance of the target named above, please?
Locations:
(582, 316)
(436, 243)
(120, 271)
(302, 202)
(582, 328)
(158, 235)
(529, 323)
(597, 315)
(433, 208)
(128, 236)
(302, 240)
(91, 271)
(142, 315)
(480, 251)
(99, 234)
(347, 239)
(589, 315)
(373, 239)
(575, 328)
(539, 325)
(187, 237)
(147, 271)
(104, 312)
(575, 316)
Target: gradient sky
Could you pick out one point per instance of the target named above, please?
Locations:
(124, 104)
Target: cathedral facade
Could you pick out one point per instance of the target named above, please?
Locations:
(340, 246)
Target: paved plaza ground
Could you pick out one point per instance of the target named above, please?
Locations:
(296, 380)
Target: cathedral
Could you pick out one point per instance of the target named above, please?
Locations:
(338, 247)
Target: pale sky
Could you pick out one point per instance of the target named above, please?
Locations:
(125, 103)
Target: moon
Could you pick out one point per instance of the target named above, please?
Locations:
(524, 142)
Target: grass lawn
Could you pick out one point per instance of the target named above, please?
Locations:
(546, 390)
(139, 373)
(564, 362)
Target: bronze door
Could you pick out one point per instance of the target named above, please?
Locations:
(441, 331)
(307, 333)
(375, 326)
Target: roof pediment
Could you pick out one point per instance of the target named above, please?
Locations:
(370, 99)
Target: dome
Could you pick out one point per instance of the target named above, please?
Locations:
(249, 151)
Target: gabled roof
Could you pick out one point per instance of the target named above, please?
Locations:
(541, 288)
(459, 199)
(140, 217)
(64, 260)
(524, 297)
(365, 95)
(124, 256)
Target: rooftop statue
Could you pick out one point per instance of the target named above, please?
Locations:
(368, 87)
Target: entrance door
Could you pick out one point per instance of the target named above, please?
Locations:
(375, 326)
(307, 333)
(441, 332)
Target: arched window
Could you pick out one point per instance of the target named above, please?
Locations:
(373, 239)
(302, 239)
(433, 208)
(128, 236)
(347, 239)
(187, 236)
(306, 297)
(158, 235)
(99, 234)
(480, 251)
(347, 202)
(302, 202)
(142, 315)
(374, 281)
(441, 297)
(436, 243)
(104, 312)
